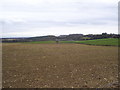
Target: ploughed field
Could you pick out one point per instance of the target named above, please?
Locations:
(59, 65)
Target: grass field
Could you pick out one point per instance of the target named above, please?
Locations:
(58, 65)
(101, 42)
(40, 42)
(106, 42)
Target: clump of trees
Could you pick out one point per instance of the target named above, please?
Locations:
(103, 35)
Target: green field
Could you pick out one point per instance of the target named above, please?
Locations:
(104, 42)
(41, 42)
(101, 42)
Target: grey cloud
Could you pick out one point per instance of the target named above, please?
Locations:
(67, 14)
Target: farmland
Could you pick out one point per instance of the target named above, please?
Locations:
(52, 65)
(100, 42)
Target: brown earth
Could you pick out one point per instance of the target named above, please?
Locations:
(59, 66)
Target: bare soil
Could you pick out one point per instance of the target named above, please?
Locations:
(59, 66)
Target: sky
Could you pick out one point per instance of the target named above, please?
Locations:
(28, 18)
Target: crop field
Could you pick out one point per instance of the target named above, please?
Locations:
(40, 42)
(100, 42)
(52, 65)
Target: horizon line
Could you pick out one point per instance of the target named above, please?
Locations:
(53, 35)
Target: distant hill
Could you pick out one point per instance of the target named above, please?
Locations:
(70, 37)
(43, 38)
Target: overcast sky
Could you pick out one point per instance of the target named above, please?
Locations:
(24, 18)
